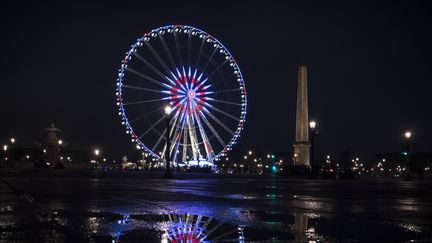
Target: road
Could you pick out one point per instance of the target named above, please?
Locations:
(61, 206)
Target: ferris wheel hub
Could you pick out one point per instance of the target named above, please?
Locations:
(191, 94)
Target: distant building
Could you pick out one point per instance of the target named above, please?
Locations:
(52, 153)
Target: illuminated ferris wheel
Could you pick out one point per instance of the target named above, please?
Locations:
(195, 74)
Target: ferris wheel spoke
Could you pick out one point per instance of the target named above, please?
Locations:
(156, 55)
(199, 53)
(151, 128)
(225, 91)
(141, 88)
(220, 111)
(145, 115)
(151, 66)
(189, 48)
(143, 101)
(178, 48)
(209, 59)
(185, 139)
(167, 51)
(217, 69)
(193, 137)
(224, 77)
(218, 121)
(176, 116)
(224, 102)
(176, 135)
(178, 139)
(147, 77)
(218, 137)
(159, 140)
(207, 146)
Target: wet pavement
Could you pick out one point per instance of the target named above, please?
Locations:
(141, 207)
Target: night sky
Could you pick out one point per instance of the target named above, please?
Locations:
(370, 68)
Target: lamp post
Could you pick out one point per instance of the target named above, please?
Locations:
(312, 134)
(5, 148)
(295, 158)
(406, 153)
(12, 150)
(96, 153)
(168, 174)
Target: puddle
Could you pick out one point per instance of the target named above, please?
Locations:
(259, 226)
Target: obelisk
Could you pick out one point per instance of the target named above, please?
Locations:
(302, 145)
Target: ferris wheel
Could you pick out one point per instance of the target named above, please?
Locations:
(195, 74)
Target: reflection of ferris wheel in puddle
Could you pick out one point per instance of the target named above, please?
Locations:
(194, 73)
(176, 228)
(196, 228)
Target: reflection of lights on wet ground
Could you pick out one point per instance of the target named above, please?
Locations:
(175, 228)
(241, 196)
(410, 227)
(124, 220)
(241, 234)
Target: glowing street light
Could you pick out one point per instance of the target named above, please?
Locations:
(408, 135)
(168, 110)
(5, 148)
(250, 152)
(312, 134)
(12, 140)
(60, 142)
(312, 124)
(295, 158)
(96, 152)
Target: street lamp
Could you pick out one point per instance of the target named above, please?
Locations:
(5, 148)
(168, 174)
(60, 142)
(96, 152)
(250, 152)
(406, 153)
(12, 140)
(312, 134)
(407, 134)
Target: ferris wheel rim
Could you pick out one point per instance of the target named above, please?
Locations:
(218, 44)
